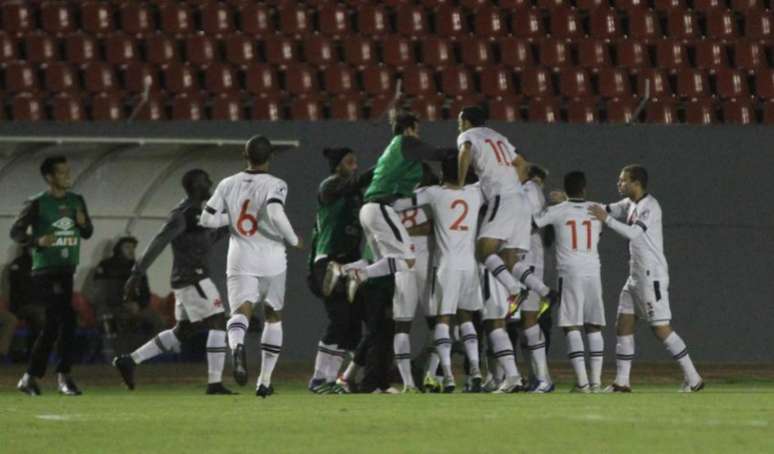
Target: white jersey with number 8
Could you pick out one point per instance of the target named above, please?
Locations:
(577, 236)
(492, 155)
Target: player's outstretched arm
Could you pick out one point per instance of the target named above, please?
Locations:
(174, 226)
(630, 232)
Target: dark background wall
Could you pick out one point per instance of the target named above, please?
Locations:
(714, 185)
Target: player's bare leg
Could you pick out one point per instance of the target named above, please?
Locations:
(470, 341)
(624, 353)
(676, 347)
(237, 328)
(577, 355)
(503, 352)
(536, 344)
(596, 347)
(271, 345)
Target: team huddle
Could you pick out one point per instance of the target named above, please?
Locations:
(467, 249)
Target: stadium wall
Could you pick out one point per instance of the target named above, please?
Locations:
(714, 185)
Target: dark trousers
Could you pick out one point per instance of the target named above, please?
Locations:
(344, 318)
(375, 349)
(55, 292)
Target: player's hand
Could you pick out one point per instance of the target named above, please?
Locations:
(557, 197)
(598, 212)
(131, 288)
(46, 240)
(80, 217)
(300, 244)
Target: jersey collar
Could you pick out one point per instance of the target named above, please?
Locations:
(576, 200)
(254, 172)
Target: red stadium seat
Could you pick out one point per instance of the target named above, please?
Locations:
(667, 6)
(582, 110)
(590, 5)
(437, 52)
(746, 5)
(555, 53)
(764, 83)
(768, 112)
(59, 77)
(372, 20)
(620, 110)
(359, 52)
(176, 18)
(450, 22)
(604, 23)
(759, 24)
(187, 106)
(476, 52)
(614, 83)
(628, 5)
(671, 54)
(120, 48)
(40, 48)
(398, 51)
(301, 80)
(294, 19)
(731, 83)
(644, 25)
(339, 79)
(682, 24)
(710, 55)
(428, 108)
(593, 54)
(505, 109)
(97, 18)
(708, 5)
(319, 50)
(488, 22)
(700, 111)
(378, 106)
(411, 21)
(106, 107)
(738, 111)
(527, 23)
(456, 105)
(378, 80)
(136, 75)
(160, 49)
(516, 53)
(692, 83)
(8, 48)
(496, 82)
(27, 107)
(228, 107)
(80, 48)
(240, 49)
(661, 111)
(66, 107)
(346, 108)
(255, 19)
(200, 49)
(20, 76)
(456, 81)
(334, 21)
(473, 5)
(659, 83)
(280, 51)
(632, 54)
(18, 18)
(99, 77)
(152, 109)
(217, 18)
(306, 109)
(57, 18)
(418, 81)
(721, 25)
(565, 23)
(137, 19)
(574, 83)
(220, 78)
(749, 55)
(536, 82)
(544, 110)
(179, 78)
(261, 79)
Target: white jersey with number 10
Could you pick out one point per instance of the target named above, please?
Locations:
(492, 155)
(577, 236)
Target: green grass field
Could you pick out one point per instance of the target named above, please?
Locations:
(732, 415)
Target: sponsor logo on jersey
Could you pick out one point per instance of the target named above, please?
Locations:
(66, 241)
(64, 223)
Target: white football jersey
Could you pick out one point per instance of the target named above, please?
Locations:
(454, 213)
(537, 203)
(577, 236)
(492, 155)
(255, 246)
(646, 250)
(413, 217)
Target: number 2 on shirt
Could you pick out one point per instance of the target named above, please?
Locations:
(457, 225)
(573, 229)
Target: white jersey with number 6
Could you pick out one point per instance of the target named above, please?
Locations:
(577, 236)
(492, 155)
(256, 246)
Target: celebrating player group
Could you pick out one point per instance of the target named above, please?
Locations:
(466, 248)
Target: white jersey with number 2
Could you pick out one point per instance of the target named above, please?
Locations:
(492, 155)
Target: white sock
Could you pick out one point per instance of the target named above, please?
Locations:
(402, 345)
(624, 354)
(576, 353)
(596, 344)
(271, 344)
(443, 347)
(322, 361)
(216, 355)
(237, 327)
(432, 363)
(334, 366)
(525, 274)
(503, 351)
(536, 344)
(470, 340)
(679, 351)
(385, 266)
(351, 372)
(164, 342)
(499, 271)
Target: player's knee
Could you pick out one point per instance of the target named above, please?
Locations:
(271, 316)
(464, 316)
(592, 328)
(444, 319)
(661, 331)
(217, 321)
(402, 326)
(567, 329)
(529, 318)
(410, 263)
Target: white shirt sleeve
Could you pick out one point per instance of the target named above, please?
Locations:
(280, 221)
(213, 216)
(618, 209)
(546, 216)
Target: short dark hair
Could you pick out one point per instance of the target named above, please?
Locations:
(474, 114)
(189, 178)
(48, 165)
(535, 170)
(404, 121)
(638, 173)
(258, 150)
(575, 183)
(449, 166)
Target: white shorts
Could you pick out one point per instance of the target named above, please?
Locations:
(508, 218)
(197, 302)
(581, 300)
(457, 289)
(256, 289)
(647, 299)
(385, 234)
(532, 303)
(405, 299)
(495, 297)
(423, 275)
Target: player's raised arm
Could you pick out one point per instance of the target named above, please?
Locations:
(463, 162)
(174, 226)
